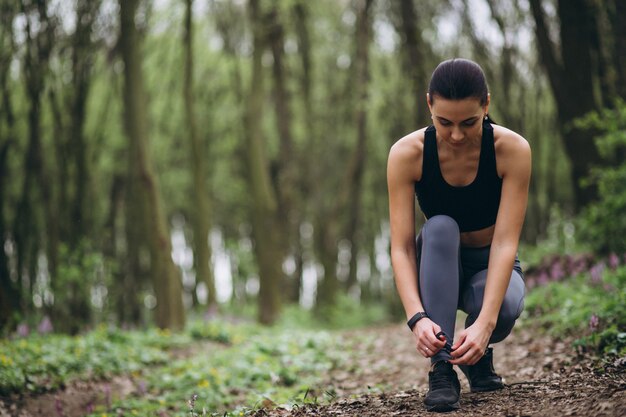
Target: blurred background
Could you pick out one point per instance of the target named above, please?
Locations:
(169, 158)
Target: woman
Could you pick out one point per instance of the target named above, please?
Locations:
(471, 180)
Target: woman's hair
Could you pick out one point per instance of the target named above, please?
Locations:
(458, 78)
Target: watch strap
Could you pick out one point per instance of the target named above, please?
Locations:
(416, 317)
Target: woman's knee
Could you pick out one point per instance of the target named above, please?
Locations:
(441, 230)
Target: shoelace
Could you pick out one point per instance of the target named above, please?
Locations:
(441, 378)
(448, 346)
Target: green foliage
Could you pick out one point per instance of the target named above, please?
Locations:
(79, 271)
(603, 223)
(590, 308)
(278, 367)
(346, 313)
(250, 367)
(43, 363)
(219, 331)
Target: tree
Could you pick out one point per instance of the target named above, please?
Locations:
(200, 211)
(166, 281)
(38, 186)
(9, 296)
(342, 220)
(573, 74)
(264, 211)
(415, 52)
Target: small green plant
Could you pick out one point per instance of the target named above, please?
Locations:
(589, 306)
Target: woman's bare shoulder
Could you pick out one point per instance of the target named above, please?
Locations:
(507, 140)
(512, 150)
(409, 146)
(405, 157)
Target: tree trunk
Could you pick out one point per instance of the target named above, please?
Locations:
(201, 210)
(38, 48)
(82, 64)
(265, 225)
(301, 16)
(415, 59)
(9, 296)
(169, 311)
(287, 183)
(572, 80)
(354, 185)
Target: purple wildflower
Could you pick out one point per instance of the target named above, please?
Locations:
(578, 264)
(89, 407)
(107, 395)
(596, 273)
(141, 387)
(543, 278)
(556, 272)
(45, 326)
(23, 330)
(613, 261)
(594, 322)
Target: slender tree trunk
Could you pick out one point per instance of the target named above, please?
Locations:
(342, 218)
(415, 58)
(354, 183)
(201, 210)
(169, 311)
(326, 240)
(301, 16)
(9, 296)
(265, 226)
(287, 184)
(82, 64)
(38, 48)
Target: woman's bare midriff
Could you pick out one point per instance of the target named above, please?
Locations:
(478, 238)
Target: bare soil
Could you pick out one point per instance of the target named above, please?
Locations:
(385, 376)
(543, 377)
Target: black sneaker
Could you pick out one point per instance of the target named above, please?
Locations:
(481, 376)
(444, 388)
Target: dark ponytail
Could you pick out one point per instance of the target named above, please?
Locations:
(458, 78)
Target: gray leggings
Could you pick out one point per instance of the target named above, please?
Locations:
(452, 277)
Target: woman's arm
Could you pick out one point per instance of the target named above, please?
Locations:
(516, 180)
(402, 224)
(516, 162)
(401, 176)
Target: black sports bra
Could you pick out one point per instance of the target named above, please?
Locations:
(474, 206)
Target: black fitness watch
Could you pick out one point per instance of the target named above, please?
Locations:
(417, 317)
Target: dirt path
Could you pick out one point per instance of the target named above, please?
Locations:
(386, 377)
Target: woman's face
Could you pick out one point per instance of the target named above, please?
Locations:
(458, 122)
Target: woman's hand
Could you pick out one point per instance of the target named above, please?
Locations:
(426, 342)
(471, 344)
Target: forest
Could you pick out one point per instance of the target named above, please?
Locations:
(185, 182)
